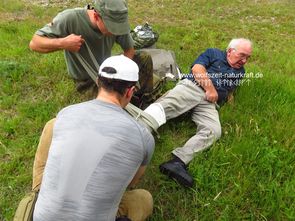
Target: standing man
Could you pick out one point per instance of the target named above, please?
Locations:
(96, 151)
(214, 74)
(87, 34)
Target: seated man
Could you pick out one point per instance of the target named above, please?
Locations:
(87, 36)
(96, 151)
(213, 76)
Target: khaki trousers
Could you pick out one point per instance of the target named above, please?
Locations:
(187, 96)
(136, 204)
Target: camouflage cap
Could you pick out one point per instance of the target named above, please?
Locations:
(114, 14)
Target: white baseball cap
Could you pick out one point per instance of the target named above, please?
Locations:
(119, 67)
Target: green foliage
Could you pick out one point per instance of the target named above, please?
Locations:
(247, 175)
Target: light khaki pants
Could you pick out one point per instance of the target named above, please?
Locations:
(136, 204)
(187, 96)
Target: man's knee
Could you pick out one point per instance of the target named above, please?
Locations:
(144, 198)
(145, 65)
(212, 132)
(216, 131)
(143, 59)
(147, 198)
(136, 205)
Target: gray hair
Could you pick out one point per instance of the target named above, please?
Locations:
(236, 41)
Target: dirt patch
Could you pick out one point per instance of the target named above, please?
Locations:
(9, 16)
(60, 3)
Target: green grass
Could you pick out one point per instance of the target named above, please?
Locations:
(248, 175)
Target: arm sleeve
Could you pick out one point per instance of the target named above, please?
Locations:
(204, 58)
(57, 28)
(125, 41)
(149, 146)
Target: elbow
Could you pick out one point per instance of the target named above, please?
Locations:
(32, 45)
(36, 45)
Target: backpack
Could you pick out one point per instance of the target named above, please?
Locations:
(144, 36)
(164, 68)
(164, 63)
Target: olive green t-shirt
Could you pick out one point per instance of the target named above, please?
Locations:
(76, 21)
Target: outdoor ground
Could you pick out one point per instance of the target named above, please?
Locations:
(248, 175)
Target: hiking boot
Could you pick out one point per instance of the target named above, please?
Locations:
(123, 219)
(176, 169)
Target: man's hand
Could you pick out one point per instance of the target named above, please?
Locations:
(129, 53)
(72, 42)
(44, 44)
(200, 74)
(137, 176)
(211, 95)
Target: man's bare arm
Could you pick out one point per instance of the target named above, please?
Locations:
(200, 75)
(42, 44)
(137, 176)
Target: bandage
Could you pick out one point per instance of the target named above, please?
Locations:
(156, 110)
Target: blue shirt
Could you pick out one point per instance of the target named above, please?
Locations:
(224, 77)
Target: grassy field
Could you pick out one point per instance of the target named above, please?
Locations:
(248, 175)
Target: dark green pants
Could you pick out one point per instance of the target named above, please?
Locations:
(145, 64)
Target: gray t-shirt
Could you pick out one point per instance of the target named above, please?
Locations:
(76, 21)
(95, 152)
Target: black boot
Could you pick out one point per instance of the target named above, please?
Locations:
(123, 219)
(176, 169)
